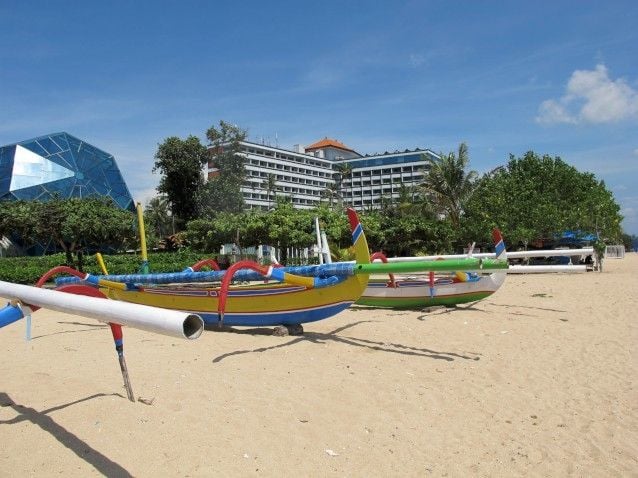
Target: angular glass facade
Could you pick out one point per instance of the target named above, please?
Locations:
(63, 165)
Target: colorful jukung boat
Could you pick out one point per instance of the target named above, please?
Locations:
(414, 292)
(446, 290)
(259, 304)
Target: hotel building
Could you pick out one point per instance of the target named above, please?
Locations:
(327, 170)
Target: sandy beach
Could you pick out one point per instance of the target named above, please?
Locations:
(537, 380)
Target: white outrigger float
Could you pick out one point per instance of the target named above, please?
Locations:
(89, 302)
(580, 254)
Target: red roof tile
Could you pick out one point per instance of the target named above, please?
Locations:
(327, 142)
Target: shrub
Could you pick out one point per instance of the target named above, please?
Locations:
(27, 270)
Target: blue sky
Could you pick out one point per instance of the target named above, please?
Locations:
(559, 78)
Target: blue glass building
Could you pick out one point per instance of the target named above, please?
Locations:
(63, 165)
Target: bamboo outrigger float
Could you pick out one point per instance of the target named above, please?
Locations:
(89, 302)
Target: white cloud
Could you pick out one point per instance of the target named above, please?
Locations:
(552, 111)
(636, 152)
(591, 97)
(143, 195)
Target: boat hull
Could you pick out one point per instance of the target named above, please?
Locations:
(252, 305)
(415, 293)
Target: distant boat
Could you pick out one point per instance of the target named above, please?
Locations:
(447, 290)
(414, 293)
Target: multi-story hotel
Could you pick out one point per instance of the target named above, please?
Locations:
(326, 170)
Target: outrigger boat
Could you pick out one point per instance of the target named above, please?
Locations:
(446, 290)
(303, 294)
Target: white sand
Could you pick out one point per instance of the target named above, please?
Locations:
(539, 379)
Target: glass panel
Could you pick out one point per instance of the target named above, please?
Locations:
(49, 146)
(36, 148)
(30, 169)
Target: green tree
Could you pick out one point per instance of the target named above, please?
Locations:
(208, 235)
(408, 203)
(405, 235)
(332, 192)
(448, 185)
(536, 197)
(180, 164)
(254, 228)
(76, 224)
(289, 227)
(334, 223)
(73, 224)
(19, 219)
(373, 225)
(343, 172)
(223, 191)
(158, 217)
(270, 185)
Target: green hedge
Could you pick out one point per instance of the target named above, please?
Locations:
(27, 270)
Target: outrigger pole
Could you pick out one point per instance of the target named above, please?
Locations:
(144, 269)
(118, 338)
(72, 299)
(339, 269)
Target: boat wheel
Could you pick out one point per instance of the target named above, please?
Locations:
(285, 330)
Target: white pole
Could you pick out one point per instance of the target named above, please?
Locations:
(319, 248)
(586, 251)
(325, 249)
(152, 319)
(542, 269)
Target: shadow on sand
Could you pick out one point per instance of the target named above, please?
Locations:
(543, 309)
(320, 338)
(92, 327)
(82, 449)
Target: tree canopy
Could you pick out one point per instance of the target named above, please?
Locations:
(222, 193)
(537, 197)
(448, 184)
(69, 224)
(180, 163)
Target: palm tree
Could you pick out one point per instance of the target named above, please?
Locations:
(332, 191)
(343, 171)
(157, 212)
(448, 185)
(270, 185)
(405, 204)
